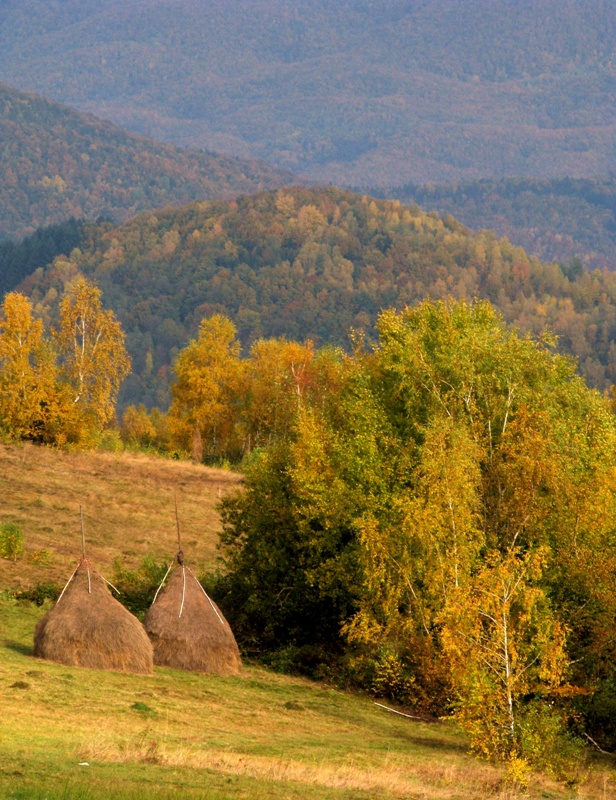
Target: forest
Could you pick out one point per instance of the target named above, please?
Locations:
(57, 163)
(312, 264)
(556, 220)
(356, 93)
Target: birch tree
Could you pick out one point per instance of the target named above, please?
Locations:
(93, 359)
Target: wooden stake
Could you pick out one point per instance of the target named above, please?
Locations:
(83, 536)
(177, 525)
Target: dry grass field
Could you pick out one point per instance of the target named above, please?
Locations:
(128, 507)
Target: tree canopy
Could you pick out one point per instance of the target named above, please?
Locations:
(443, 519)
(310, 264)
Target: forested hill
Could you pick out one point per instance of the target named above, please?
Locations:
(312, 263)
(558, 219)
(56, 163)
(353, 92)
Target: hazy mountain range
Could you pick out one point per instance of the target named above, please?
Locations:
(356, 92)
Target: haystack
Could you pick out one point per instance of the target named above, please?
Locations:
(88, 627)
(188, 630)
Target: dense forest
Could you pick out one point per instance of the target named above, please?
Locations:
(56, 163)
(20, 259)
(357, 93)
(555, 220)
(312, 264)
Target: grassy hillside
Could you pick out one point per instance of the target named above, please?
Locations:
(79, 734)
(359, 93)
(56, 163)
(312, 263)
(553, 219)
(128, 509)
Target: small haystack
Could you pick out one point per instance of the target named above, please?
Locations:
(188, 630)
(88, 627)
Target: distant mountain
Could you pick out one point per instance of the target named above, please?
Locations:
(312, 263)
(57, 163)
(564, 220)
(353, 92)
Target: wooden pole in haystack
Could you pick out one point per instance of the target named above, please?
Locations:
(180, 555)
(83, 535)
(83, 550)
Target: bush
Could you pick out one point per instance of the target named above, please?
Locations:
(545, 743)
(138, 587)
(39, 593)
(11, 541)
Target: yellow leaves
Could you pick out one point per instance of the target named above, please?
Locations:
(42, 400)
(504, 644)
(27, 370)
(94, 361)
(209, 377)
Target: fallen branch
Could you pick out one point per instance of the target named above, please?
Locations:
(393, 711)
(600, 749)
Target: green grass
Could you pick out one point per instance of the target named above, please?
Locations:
(260, 735)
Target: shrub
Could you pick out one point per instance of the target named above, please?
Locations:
(39, 593)
(545, 743)
(11, 541)
(138, 587)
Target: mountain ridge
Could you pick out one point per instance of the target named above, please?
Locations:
(312, 264)
(57, 163)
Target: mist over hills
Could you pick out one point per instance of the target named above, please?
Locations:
(57, 163)
(354, 92)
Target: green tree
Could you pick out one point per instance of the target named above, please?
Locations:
(459, 470)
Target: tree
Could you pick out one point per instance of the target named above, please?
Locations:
(208, 389)
(93, 359)
(27, 371)
(505, 647)
(451, 503)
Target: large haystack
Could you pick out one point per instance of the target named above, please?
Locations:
(87, 627)
(188, 630)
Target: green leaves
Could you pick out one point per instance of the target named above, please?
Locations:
(452, 503)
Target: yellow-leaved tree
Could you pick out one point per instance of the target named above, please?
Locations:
(93, 360)
(27, 371)
(203, 414)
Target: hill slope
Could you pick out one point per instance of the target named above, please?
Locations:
(312, 264)
(128, 509)
(358, 93)
(553, 219)
(257, 736)
(57, 163)
(72, 734)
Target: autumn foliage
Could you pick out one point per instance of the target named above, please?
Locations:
(60, 388)
(435, 521)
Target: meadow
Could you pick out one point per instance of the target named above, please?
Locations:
(128, 506)
(76, 734)
(71, 733)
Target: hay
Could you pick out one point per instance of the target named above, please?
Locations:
(89, 628)
(188, 630)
